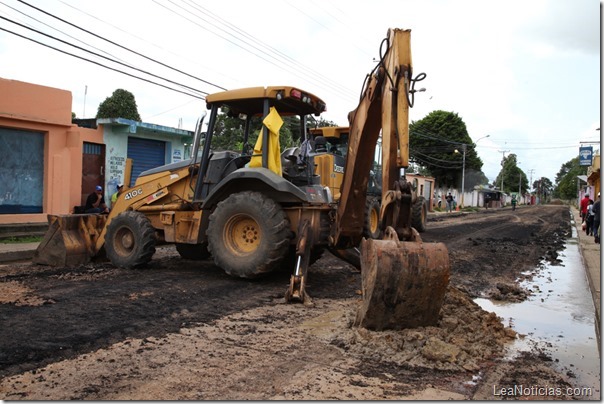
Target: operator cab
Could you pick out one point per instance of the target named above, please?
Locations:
(258, 107)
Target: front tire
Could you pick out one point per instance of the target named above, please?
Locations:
(130, 240)
(371, 226)
(419, 215)
(248, 235)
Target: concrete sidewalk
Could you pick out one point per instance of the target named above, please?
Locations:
(590, 252)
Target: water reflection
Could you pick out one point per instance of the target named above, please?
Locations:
(559, 318)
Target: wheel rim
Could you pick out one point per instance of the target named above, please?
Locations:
(242, 234)
(373, 221)
(124, 241)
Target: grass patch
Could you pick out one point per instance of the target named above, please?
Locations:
(24, 239)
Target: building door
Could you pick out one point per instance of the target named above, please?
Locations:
(93, 168)
(145, 154)
(21, 171)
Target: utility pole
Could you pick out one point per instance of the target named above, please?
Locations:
(85, 94)
(502, 161)
(463, 172)
(531, 171)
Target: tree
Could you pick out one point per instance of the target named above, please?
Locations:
(436, 144)
(566, 179)
(543, 187)
(229, 131)
(121, 104)
(513, 177)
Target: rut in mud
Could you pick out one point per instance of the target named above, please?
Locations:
(181, 329)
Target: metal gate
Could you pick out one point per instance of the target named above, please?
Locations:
(21, 171)
(93, 168)
(145, 154)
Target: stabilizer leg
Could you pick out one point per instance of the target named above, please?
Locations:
(297, 283)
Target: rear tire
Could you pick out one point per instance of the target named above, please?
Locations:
(130, 240)
(419, 215)
(194, 252)
(248, 235)
(371, 226)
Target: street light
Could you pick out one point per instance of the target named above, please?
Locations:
(463, 172)
(519, 182)
(484, 137)
(463, 168)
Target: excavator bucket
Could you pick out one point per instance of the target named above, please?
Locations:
(404, 284)
(70, 239)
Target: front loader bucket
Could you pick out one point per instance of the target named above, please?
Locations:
(404, 284)
(70, 239)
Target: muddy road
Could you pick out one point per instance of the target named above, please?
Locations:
(180, 329)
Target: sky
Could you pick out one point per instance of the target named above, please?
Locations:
(523, 75)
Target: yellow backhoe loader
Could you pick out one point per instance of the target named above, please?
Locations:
(331, 147)
(257, 210)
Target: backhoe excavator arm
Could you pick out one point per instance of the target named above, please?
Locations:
(384, 106)
(403, 282)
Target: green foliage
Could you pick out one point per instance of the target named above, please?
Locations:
(121, 104)
(21, 239)
(543, 187)
(566, 179)
(436, 145)
(513, 177)
(321, 122)
(229, 133)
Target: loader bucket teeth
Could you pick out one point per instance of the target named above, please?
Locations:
(70, 240)
(403, 283)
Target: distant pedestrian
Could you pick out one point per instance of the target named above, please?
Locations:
(583, 207)
(596, 211)
(589, 218)
(449, 199)
(95, 203)
(487, 199)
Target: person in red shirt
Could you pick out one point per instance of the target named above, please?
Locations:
(584, 204)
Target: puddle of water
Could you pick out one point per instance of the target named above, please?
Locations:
(559, 318)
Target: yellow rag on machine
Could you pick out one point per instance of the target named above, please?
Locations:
(273, 123)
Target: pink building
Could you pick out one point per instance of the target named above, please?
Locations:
(41, 152)
(48, 165)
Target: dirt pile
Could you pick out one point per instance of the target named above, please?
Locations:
(465, 337)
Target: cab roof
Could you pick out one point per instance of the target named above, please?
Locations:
(250, 101)
(330, 131)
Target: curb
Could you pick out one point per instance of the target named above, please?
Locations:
(590, 255)
(14, 252)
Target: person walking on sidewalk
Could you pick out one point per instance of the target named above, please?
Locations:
(596, 211)
(589, 218)
(449, 200)
(583, 207)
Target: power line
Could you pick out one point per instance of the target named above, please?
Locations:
(274, 57)
(54, 28)
(163, 49)
(100, 64)
(104, 57)
(121, 46)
